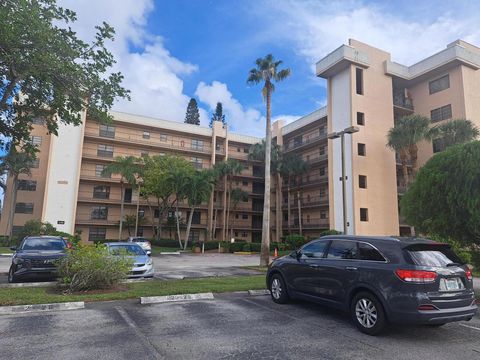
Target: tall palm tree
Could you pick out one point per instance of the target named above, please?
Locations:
(236, 195)
(456, 132)
(404, 137)
(267, 72)
(234, 167)
(128, 168)
(198, 191)
(14, 164)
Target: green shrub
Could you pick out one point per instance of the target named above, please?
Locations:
(91, 267)
(255, 247)
(475, 256)
(295, 241)
(237, 246)
(173, 243)
(330, 232)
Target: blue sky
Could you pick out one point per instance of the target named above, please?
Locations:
(172, 50)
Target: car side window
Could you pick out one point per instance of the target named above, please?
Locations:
(340, 249)
(368, 252)
(314, 250)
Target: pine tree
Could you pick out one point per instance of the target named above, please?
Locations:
(218, 115)
(192, 116)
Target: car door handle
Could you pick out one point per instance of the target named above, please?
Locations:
(351, 268)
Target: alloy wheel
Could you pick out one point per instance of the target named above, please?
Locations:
(276, 289)
(366, 313)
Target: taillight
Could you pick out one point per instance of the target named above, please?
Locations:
(427, 307)
(69, 245)
(416, 276)
(469, 274)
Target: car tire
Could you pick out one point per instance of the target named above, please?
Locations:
(11, 276)
(367, 313)
(278, 289)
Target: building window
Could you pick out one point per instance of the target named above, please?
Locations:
(23, 208)
(322, 150)
(245, 150)
(442, 113)
(359, 80)
(237, 216)
(38, 121)
(439, 84)
(196, 218)
(360, 118)
(194, 237)
(323, 130)
(362, 151)
(101, 192)
(35, 164)
(156, 213)
(97, 233)
(322, 171)
(363, 214)
(146, 135)
(163, 137)
(99, 213)
(438, 145)
(36, 140)
(362, 181)
(244, 234)
(322, 193)
(99, 171)
(236, 233)
(197, 163)
(105, 150)
(238, 149)
(323, 215)
(197, 144)
(244, 216)
(27, 185)
(297, 141)
(107, 131)
(245, 183)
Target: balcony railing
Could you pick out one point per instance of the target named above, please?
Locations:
(402, 101)
(309, 140)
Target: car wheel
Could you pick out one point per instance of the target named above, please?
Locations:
(11, 276)
(278, 289)
(367, 313)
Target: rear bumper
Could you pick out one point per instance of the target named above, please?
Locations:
(434, 316)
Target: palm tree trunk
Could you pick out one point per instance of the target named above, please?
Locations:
(11, 214)
(178, 225)
(414, 158)
(228, 209)
(189, 225)
(121, 211)
(279, 222)
(265, 248)
(300, 230)
(224, 234)
(289, 208)
(214, 228)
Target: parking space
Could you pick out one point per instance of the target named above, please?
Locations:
(233, 326)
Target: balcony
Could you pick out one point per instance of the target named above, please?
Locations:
(313, 223)
(403, 102)
(305, 203)
(298, 144)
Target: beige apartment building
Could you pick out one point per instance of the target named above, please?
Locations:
(365, 89)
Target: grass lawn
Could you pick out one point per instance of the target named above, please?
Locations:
(5, 250)
(24, 296)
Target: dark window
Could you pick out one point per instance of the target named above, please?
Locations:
(38, 121)
(321, 171)
(36, 140)
(197, 144)
(35, 163)
(245, 150)
(245, 183)
(441, 113)
(146, 135)
(360, 118)
(315, 250)
(438, 145)
(237, 216)
(197, 217)
(340, 249)
(194, 236)
(323, 215)
(163, 137)
(97, 233)
(368, 252)
(197, 163)
(99, 213)
(244, 216)
(141, 213)
(27, 185)
(359, 81)
(322, 150)
(238, 149)
(297, 141)
(101, 192)
(99, 171)
(127, 195)
(363, 214)
(23, 208)
(439, 84)
(156, 213)
(362, 181)
(432, 255)
(107, 131)
(105, 150)
(362, 150)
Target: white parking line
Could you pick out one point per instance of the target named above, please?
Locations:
(469, 326)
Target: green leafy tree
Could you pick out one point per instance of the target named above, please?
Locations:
(444, 199)
(454, 132)
(48, 72)
(130, 221)
(14, 164)
(218, 115)
(267, 72)
(193, 115)
(128, 168)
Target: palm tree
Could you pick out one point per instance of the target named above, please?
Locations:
(404, 137)
(14, 164)
(455, 132)
(292, 168)
(236, 195)
(266, 72)
(234, 167)
(198, 191)
(128, 168)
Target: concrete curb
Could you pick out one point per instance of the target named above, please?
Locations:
(175, 298)
(33, 284)
(170, 253)
(16, 309)
(6, 255)
(258, 292)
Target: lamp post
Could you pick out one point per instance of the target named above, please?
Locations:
(341, 135)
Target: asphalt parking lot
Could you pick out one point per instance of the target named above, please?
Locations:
(233, 326)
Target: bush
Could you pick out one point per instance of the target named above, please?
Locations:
(237, 246)
(295, 241)
(173, 243)
(91, 267)
(255, 247)
(330, 232)
(36, 227)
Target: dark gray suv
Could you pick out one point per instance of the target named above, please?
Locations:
(378, 280)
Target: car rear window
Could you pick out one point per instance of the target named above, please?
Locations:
(340, 249)
(43, 244)
(432, 255)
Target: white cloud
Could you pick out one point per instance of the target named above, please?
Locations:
(240, 119)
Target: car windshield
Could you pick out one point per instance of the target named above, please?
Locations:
(43, 244)
(127, 249)
(432, 255)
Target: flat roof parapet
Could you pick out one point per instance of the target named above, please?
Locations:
(339, 59)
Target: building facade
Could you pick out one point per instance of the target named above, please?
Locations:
(365, 89)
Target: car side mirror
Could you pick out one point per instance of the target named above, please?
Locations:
(296, 254)
(149, 253)
(13, 248)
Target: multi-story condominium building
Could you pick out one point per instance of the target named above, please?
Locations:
(365, 89)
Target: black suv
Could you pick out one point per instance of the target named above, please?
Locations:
(36, 257)
(378, 280)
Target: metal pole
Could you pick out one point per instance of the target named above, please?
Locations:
(138, 207)
(344, 186)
